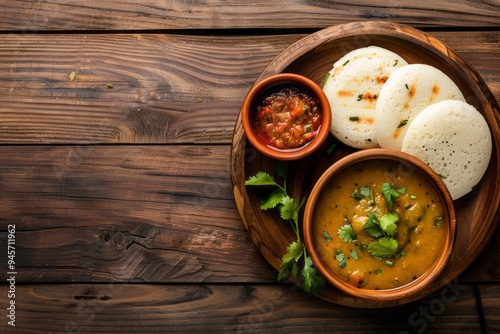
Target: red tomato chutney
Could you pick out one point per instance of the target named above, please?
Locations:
(288, 118)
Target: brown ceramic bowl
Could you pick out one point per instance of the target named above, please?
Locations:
(263, 89)
(409, 165)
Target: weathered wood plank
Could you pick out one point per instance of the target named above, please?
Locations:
(106, 213)
(490, 300)
(166, 88)
(33, 16)
(145, 213)
(487, 266)
(228, 308)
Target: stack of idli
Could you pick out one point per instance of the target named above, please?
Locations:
(379, 100)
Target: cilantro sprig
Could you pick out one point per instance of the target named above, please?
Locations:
(391, 194)
(384, 247)
(381, 228)
(339, 256)
(289, 209)
(346, 233)
(384, 228)
(364, 192)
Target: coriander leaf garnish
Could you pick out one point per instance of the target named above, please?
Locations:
(346, 233)
(286, 268)
(354, 118)
(261, 179)
(365, 191)
(354, 254)
(272, 200)
(362, 246)
(327, 236)
(403, 123)
(339, 256)
(289, 209)
(372, 226)
(391, 194)
(386, 226)
(311, 280)
(331, 149)
(295, 250)
(326, 78)
(384, 247)
(357, 195)
(388, 223)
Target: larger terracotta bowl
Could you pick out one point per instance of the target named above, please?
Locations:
(408, 167)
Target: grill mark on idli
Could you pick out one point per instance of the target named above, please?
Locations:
(352, 87)
(454, 139)
(406, 93)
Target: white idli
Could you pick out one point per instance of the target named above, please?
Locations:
(406, 93)
(453, 138)
(352, 88)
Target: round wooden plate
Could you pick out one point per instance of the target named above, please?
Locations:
(477, 213)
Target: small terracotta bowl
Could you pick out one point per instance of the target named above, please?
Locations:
(265, 87)
(410, 165)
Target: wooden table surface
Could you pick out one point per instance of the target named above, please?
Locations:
(117, 179)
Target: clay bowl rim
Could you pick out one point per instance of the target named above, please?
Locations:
(442, 192)
(259, 89)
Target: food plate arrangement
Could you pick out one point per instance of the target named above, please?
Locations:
(477, 213)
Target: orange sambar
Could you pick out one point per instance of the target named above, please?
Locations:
(344, 204)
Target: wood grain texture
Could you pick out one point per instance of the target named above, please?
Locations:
(487, 265)
(90, 208)
(477, 213)
(139, 308)
(490, 302)
(166, 88)
(147, 213)
(125, 213)
(33, 16)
